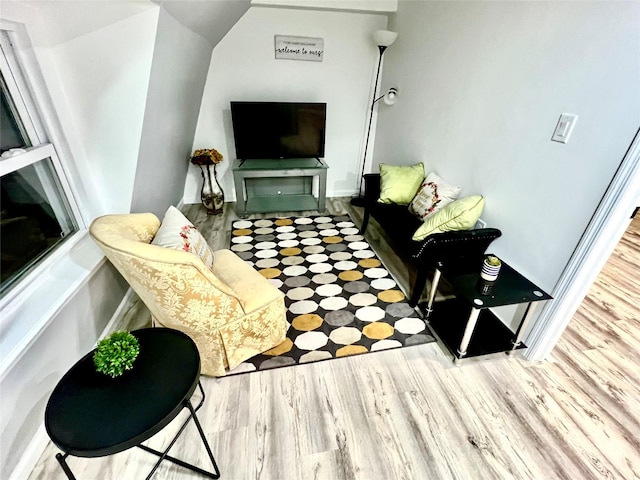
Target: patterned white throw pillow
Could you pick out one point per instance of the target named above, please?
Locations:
(434, 193)
(178, 233)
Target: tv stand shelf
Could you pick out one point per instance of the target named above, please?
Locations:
(276, 185)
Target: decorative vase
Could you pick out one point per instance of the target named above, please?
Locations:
(490, 268)
(211, 195)
(489, 274)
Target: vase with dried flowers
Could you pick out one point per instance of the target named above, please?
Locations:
(212, 195)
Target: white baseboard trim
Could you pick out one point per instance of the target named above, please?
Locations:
(31, 455)
(116, 320)
(342, 193)
(40, 440)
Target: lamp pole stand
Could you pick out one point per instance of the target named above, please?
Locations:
(359, 200)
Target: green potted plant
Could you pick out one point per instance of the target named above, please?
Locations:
(116, 353)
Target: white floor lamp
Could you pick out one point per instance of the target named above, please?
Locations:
(383, 38)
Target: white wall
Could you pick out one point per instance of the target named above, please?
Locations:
(58, 336)
(482, 85)
(243, 67)
(101, 94)
(99, 81)
(178, 73)
(95, 60)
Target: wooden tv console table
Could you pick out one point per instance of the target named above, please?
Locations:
(279, 185)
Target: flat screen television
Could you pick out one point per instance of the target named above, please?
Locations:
(273, 130)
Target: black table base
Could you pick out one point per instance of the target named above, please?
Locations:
(165, 455)
(454, 321)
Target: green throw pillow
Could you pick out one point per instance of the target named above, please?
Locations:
(459, 215)
(399, 184)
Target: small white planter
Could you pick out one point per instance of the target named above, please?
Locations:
(490, 268)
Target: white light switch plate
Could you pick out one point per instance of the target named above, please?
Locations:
(564, 127)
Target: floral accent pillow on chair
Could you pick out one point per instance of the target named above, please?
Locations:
(178, 233)
(434, 193)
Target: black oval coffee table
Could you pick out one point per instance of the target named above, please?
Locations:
(90, 414)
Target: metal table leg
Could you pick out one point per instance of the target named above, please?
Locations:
(526, 318)
(468, 331)
(164, 455)
(322, 190)
(432, 292)
(241, 202)
(63, 464)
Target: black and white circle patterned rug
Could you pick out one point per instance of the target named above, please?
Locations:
(340, 299)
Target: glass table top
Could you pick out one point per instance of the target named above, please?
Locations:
(510, 288)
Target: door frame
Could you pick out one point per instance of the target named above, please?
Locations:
(607, 225)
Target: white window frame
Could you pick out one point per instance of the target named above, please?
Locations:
(18, 87)
(35, 156)
(30, 113)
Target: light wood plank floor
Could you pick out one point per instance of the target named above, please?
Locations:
(410, 414)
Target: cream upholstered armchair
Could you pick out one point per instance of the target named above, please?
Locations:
(230, 311)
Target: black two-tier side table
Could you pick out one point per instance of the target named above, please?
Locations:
(90, 414)
(466, 324)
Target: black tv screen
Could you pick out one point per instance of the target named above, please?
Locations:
(278, 129)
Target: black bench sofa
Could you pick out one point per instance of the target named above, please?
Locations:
(462, 250)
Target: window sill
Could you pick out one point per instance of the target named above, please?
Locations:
(31, 307)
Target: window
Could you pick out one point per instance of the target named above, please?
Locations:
(37, 208)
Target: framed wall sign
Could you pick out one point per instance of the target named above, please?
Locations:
(299, 48)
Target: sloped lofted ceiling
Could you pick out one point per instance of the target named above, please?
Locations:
(212, 19)
(75, 18)
(209, 19)
(362, 6)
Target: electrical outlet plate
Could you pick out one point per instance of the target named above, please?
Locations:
(565, 125)
(480, 224)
